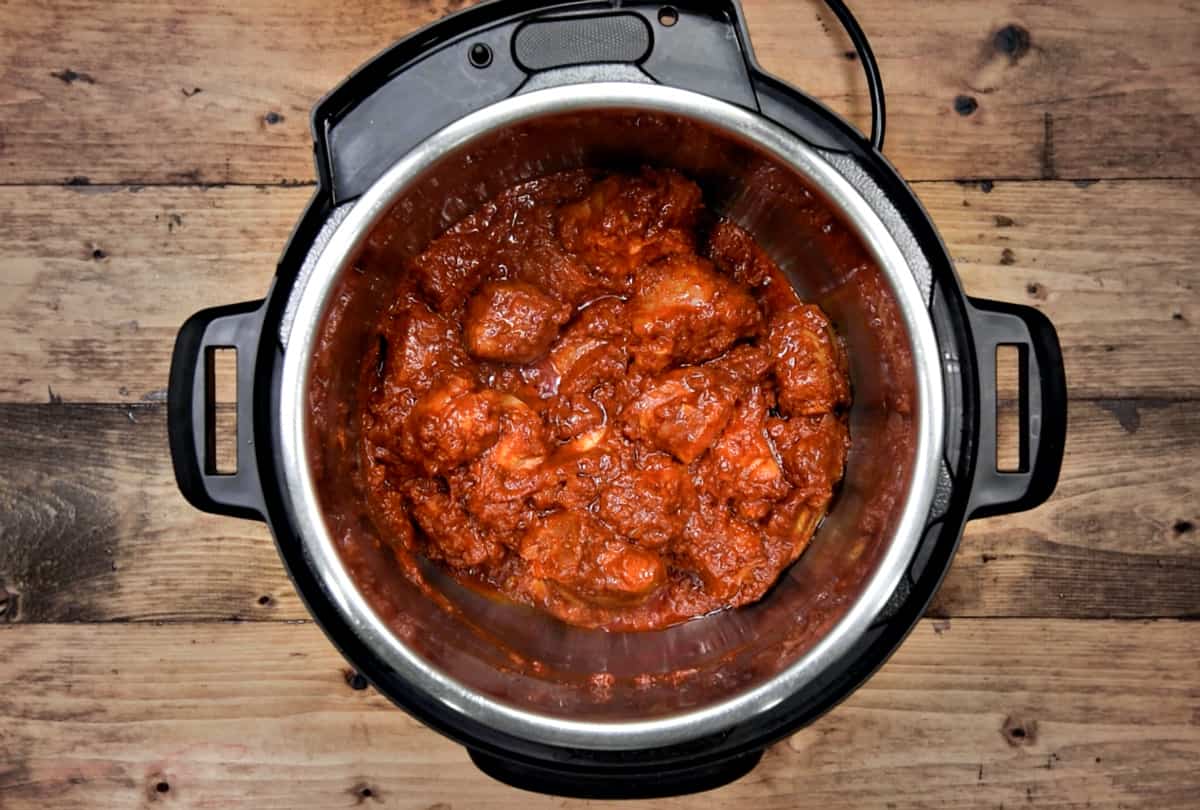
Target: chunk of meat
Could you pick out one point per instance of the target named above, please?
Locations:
(454, 536)
(451, 425)
(494, 487)
(790, 527)
(591, 363)
(414, 349)
(606, 318)
(420, 348)
(512, 321)
(813, 450)
(686, 312)
(726, 554)
(741, 469)
(587, 391)
(598, 324)
(576, 473)
(651, 506)
(522, 443)
(579, 555)
(573, 346)
(498, 503)
(564, 276)
(502, 239)
(624, 573)
(626, 221)
(455, 263)
(746, 364)
(734, 251)
(809, 363)
(681, 412)
(603, 322)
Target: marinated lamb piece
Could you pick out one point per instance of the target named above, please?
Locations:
(419, 347)
(512, 321)
(582, 556)
(625, 222)
(737, 254)
(813, 452)
(741, 470)
(451, 425)
(686, 312)
(727, 555)
(809, 365)
(579, 400)
(681, 412)
(650, 506)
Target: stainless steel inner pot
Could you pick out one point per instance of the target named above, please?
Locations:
(521, 671)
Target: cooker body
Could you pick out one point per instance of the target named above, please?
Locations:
(517, 687)
(588, 687)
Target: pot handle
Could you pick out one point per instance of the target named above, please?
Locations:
(1043, 407)
(191, 410)
(615, 783)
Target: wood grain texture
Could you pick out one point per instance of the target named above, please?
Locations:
(983, 713)
(204, 687)
(135, 92)
(92, 527)
(94, 282)
(1106, 262)
(1117, 538)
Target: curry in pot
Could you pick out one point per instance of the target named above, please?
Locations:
(592, 398)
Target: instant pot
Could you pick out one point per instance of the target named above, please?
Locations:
(510, 90)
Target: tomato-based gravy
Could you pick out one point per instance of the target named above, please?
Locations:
(593, 398)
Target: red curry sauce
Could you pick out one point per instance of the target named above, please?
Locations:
(589, 400)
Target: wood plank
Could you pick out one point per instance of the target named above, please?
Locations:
(1106, 262)
(1010, 89)
(1117, 538)
(92, 526)
(1111, 263)
(968, 713)
(93, 529)
(134, 92)
(94, 283)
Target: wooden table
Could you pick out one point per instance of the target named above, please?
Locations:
(153, 157)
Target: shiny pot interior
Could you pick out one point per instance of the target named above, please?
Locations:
(524, 671)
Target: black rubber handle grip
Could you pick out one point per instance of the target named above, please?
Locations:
(1043, 407)
(616, 783)
(190, 409)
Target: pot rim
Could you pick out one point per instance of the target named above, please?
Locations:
(348, 237)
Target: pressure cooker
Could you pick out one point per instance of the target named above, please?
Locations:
(511, 90)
